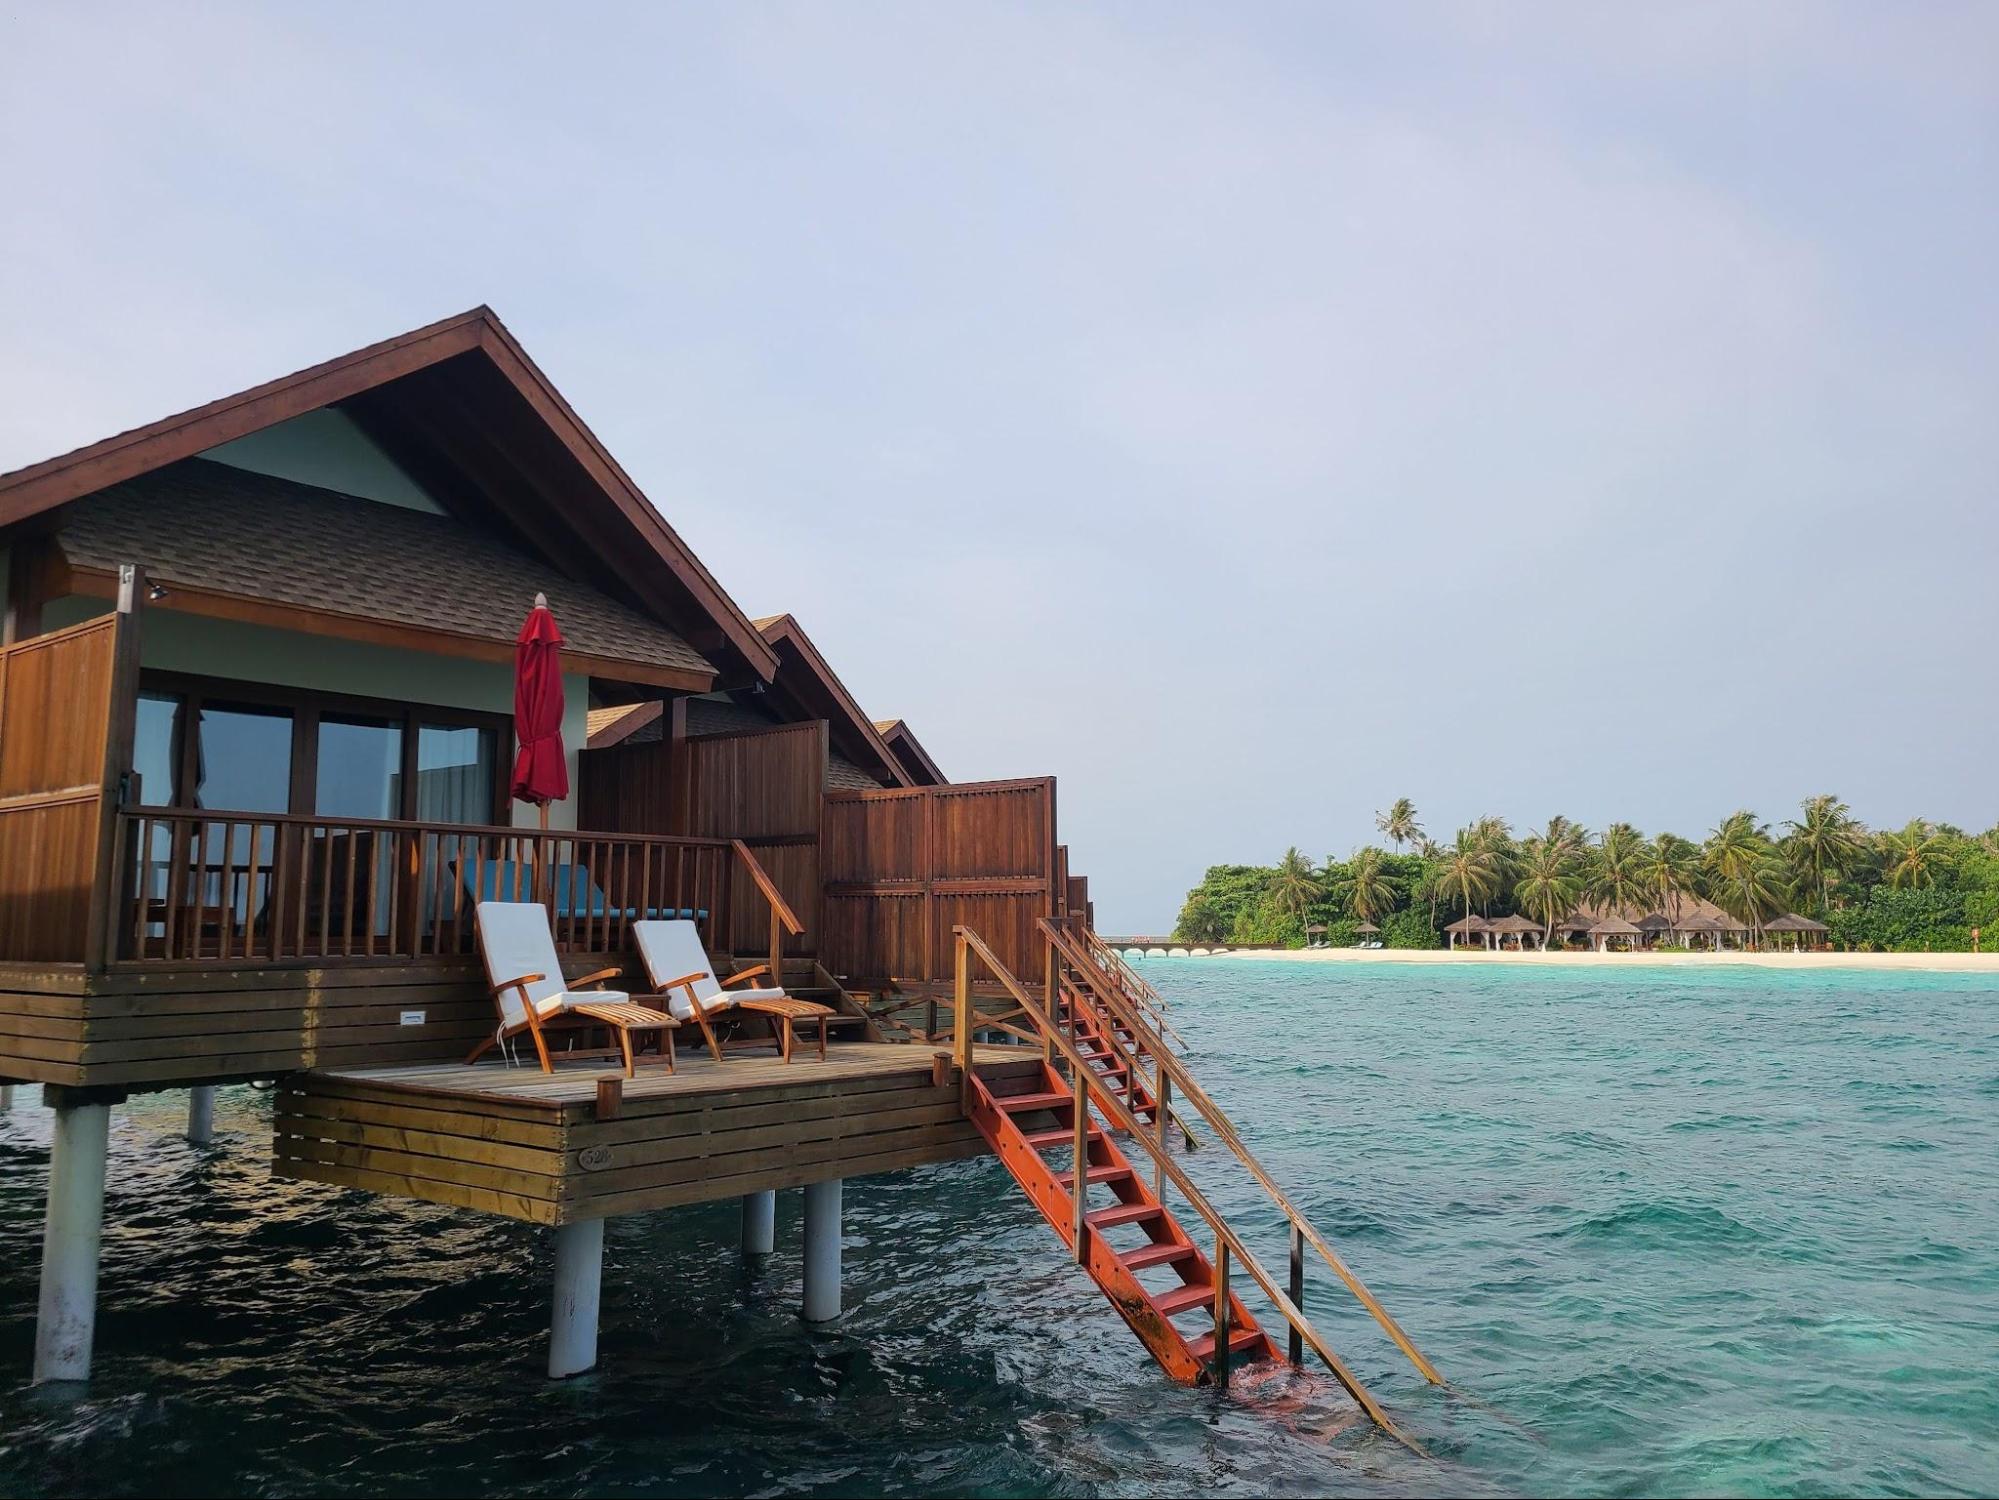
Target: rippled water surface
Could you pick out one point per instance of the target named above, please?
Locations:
(1676, 1234)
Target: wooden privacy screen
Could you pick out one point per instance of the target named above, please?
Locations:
(761, 786)
(903, 867)
(63, 697)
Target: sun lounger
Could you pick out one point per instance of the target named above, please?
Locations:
(679, 968)
(532, 996)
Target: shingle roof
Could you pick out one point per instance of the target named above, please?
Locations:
(842, 775)
(206, 525)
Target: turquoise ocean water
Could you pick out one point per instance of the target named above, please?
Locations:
(1725, 1232)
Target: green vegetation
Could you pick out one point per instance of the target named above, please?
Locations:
(1925, 886)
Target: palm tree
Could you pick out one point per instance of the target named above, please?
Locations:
(1669, 868)
(1825, 844)
(1742, 869)
(1398, 825)
(1547, 885)
(1296, 884)
(1908, 855)
(1566, 833)
(1368, 890)
(1616, 880)
(1494, 836)
(1467, 870)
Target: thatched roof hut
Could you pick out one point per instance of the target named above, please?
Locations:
(1792, 922)
(1515, 923)
(1464, 926)
(1614, 927)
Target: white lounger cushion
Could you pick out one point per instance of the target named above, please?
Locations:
(514, 941)
(672, 950)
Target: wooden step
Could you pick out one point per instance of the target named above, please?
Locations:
(1041, 1140)
(1096, 1175)
(1020, 1104)
(1180, 1298)
(1124, 1213)
(1203, 1348)
(1156, 1255)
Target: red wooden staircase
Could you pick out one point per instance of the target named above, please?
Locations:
(1156, 1277)
(1107, 1076)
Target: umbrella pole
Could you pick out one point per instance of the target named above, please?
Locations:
(541, 856)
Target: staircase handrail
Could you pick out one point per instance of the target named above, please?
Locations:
(1183, 1081)
(1107, 1100)
(1135, 986)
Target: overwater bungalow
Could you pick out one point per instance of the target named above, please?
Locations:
(259, 697)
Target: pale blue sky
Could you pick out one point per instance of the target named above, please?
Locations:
(1246, 413)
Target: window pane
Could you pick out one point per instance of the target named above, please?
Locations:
(244, 762)
(455, 774)
(360, 768)
(153, 747)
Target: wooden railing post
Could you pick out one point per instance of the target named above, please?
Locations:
(1079, 1189)
(961, 1017)
(104, 913)
(776, 948)
(1297, 1290)
(1222, 1329)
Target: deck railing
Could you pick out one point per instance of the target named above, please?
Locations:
(231, 888)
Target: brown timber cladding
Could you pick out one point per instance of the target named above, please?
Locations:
(156, 1028)
(763, 787)
(549, 1160)
(55, 719)
(903, 867)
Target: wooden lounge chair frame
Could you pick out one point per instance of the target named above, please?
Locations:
(782, 1014)
(620, 1017)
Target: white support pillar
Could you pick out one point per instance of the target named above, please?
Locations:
(67, 1319)
(579, 1276)
(759, 1223)
(201, 1115)
(822, 1251)
(6, 1097)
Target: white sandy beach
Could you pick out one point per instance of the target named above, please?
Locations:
(1959, 962)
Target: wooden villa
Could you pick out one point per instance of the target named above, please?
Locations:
(255, 727)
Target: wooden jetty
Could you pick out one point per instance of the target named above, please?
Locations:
(255, 694)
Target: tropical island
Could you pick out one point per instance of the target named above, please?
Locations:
(1822, 879)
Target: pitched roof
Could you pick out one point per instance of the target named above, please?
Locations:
(460, 406)
(1614, 927)
(808, 688)
(1513, 923)
(1472, 923)
(217, 535)
(1792, 922)
(901, 739)
(606, 727)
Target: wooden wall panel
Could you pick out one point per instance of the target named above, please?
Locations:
(760, 786)
(625, 789)
(903, 867)
(55, 724)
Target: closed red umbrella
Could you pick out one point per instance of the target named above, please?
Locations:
(541, 773)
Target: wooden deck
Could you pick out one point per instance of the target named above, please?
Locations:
(533, 1146)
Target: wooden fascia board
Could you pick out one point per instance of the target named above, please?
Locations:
(216, 605)
(39, 487)
(785, 630)
(27, 492)
(633, 720)
(512, 361)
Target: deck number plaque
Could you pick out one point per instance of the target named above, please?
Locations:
(413, 1018)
